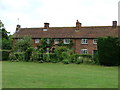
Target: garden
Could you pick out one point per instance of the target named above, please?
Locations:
(58, 75)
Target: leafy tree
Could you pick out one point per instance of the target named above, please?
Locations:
(5, 40)
(109, 50)
(23, 44)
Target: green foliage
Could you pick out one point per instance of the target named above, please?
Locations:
(109, 50)
(96, 58)
(5, 54)
(43, 45)
(62, 53)
(6, 44)
(79, 60)
(46, 57)
(23, 44)
(12, 56)
(28, 53)
(5, 40)
(34, 56)
(66, 61)
(66, 45)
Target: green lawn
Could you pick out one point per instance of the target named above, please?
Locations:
(48, 75)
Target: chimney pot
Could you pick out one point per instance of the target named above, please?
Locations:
(114, 25)
(46, 25)
(78, 25)
(18, 27)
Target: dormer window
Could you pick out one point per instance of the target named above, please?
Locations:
(66, 41)
(45, 29)
(84, 41)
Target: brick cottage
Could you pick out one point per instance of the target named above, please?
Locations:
(83, 37)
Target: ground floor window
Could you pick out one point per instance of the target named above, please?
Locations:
(56, 41)
(84, 51)
(94, 52)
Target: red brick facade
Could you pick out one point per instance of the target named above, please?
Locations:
(76, 34)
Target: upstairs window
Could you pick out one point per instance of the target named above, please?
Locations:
(94, 41)
(37, 40)
(84, 41)
(84, 51)
(66, 41)
(56, 41)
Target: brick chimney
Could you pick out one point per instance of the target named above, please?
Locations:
(78, 25)
(114, 24)
(46, 25)
(18, 27)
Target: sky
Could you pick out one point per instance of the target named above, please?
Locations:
(59, 13)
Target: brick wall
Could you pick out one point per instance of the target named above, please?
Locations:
(90, 46)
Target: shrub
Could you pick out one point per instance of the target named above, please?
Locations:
(65, 61)
(5, 54)
(34, 56)
(28, 53)
(79, 60)
(46, 57)
(20, 56)
(62, 53)
(96, 59)
(109, 51)
(12, 56)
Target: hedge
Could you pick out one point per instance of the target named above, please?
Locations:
(109, 51)
(5, 54)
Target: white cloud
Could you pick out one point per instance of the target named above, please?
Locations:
(33, 13)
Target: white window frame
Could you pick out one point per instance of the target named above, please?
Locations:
(37, 40)
(95, 41)
(84, 41)
(66, 41)
(45, 29)
(84, 51)
(56, 41)
(48, 41)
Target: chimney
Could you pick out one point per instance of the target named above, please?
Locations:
(46, 25)
(18, 27)
(78, 25)
(114, 24)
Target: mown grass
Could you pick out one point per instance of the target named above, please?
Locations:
(58, 75)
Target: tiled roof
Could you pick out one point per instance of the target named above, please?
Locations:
(68, 32)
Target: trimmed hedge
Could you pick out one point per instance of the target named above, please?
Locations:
(5, 54)
(109, 51)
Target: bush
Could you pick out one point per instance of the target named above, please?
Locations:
(46, 57)
(53, 58)
(34, 56)
(28, 53)
(62, 53)
(96, 59)
(5, 54)
(109, 51)
(66, 61)
(19, 56)
(79, 60)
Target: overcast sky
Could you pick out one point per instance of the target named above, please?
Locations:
(59, 13)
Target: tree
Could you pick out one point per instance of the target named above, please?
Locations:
(5, 41)
(109, 50)
(23, 44)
